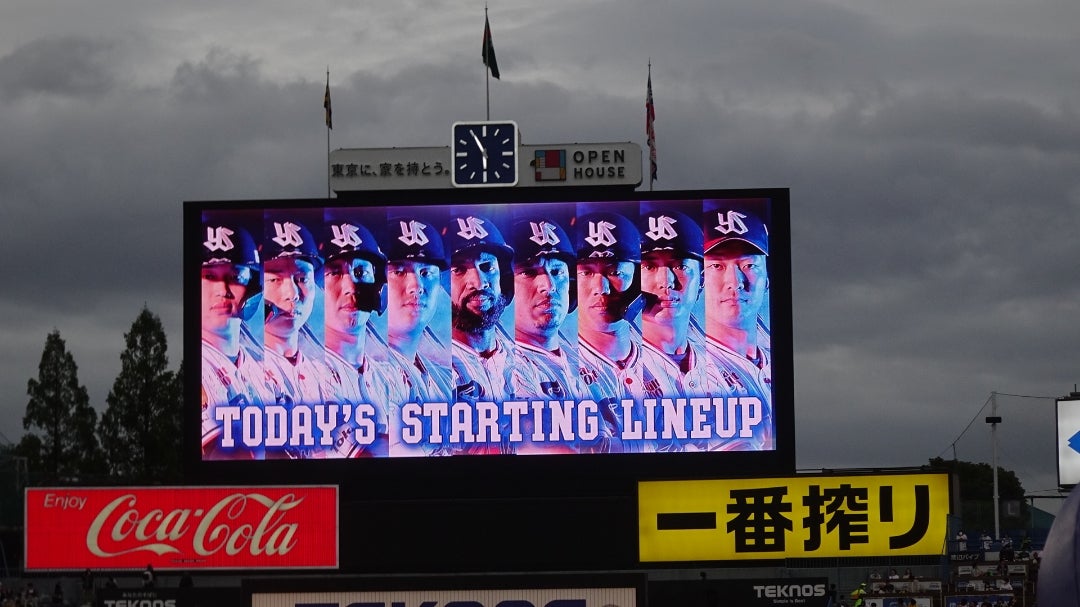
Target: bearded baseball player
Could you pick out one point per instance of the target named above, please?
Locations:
(736, 286)
(354, 279)
(416, 261)
(232, 374)
(609, 300)
(293, 352)
(481, 287)
(673, 351)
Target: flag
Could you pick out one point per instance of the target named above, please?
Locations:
(488, 50)
(326, 104)
(650, 134)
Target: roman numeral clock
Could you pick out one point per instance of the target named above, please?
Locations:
(484, 154)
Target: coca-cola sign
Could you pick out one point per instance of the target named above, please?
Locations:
(182, 528)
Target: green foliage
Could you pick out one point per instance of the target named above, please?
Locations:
(62, 444)
(140, 429)
(975, 482)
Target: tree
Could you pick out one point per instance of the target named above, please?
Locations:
(141, 426)
(60, 419)
(976, 499)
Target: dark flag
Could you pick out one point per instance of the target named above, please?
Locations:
(488, 51)
(650, 117)
(326, 104)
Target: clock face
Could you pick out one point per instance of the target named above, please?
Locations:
(484, 154)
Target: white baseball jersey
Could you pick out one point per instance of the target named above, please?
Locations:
(610, 381)
(733, 374)
(488, 378)
(555, 376)
(666, 377)
(423, 381)
(236, 384)
(372, 386)
(306, 382)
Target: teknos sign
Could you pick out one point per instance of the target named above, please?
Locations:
(182, 527)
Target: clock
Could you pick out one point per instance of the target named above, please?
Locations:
(484, 154)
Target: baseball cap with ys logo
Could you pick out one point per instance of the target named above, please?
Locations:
(671, 231)
(415, 239)
(471, 234)
(726, 226)
(605, 235)
(288, 238)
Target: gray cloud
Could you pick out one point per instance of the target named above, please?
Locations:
(932, 162)
(61, 67)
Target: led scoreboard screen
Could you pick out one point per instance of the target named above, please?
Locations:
(447, 325)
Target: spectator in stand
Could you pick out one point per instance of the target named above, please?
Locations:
(875, 574)
(88, 587)
(961, 541)
(58, 595)
(831, 596)
(148, 578)
(987, 541)
(1007, 548)
(893, 575)
(859, 594)
(908, 575)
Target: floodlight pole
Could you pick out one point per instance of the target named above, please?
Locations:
(994, 420)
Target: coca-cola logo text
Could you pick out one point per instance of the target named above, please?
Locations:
(226, 526)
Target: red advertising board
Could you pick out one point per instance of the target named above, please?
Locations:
(255, 527)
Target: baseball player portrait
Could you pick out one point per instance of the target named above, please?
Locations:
(608, 250)
(673, 351)
(736, 321)
(293, 353)
(354, 279)
(419, 351)
(232, 374)
(481, 288)
(544, 279)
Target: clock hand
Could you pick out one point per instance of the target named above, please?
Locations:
(481, 146)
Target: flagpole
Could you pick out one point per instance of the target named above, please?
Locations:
(487, 72)
(328, 129)
(650, 133)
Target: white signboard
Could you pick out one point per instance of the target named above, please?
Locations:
(541, 597)
(1068, 441)
(554, 165)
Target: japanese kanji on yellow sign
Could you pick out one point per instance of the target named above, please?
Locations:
(796, 517)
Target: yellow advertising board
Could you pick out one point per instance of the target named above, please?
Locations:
(793, 517)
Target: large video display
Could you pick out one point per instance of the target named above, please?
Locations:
(405, 328)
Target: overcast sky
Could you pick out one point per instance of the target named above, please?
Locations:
(932, 149)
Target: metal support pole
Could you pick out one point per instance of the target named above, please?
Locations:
(993, 420)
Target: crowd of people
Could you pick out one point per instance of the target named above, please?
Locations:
(27, 595)
(990, 576)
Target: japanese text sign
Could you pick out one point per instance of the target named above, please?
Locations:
(797, 517)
